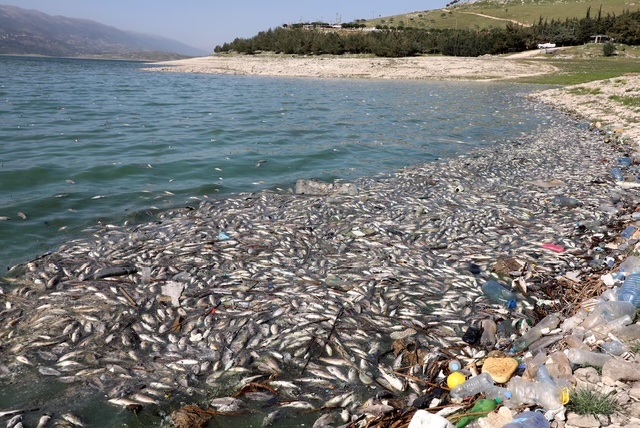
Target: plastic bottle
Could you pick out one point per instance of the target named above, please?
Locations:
(472, 386)
(629, 266)
(547, 323)
(543, 376)
(581, 357)
(602, 331)
(533, 364)
(545, 395)
(629, 333)
(528, 420)
(615, 348)
(630, 290)
(479, 410)
(572, 322)
(454, 365)
(605, 312)
(617, 174)
(500, 294)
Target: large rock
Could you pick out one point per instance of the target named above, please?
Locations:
(582, 421)
(621, 370)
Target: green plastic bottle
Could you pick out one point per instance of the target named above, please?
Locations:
(480, 409)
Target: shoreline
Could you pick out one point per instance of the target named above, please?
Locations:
(490, 68)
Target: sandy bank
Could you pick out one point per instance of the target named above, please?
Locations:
(415, 68)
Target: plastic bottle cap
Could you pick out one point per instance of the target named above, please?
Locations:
(455, 379)
(512, 304)
(454, 366)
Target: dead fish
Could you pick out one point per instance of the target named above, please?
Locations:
(271, 418)
(72, 419)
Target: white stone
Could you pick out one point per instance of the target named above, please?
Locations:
(424, 419)
(582, 421)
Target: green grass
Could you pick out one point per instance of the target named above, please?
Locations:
(626, 101)
(527, 12)
(582, 64)
(588, 402)
(584, 91)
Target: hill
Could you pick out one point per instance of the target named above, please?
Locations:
(498, 13)
(29, 32)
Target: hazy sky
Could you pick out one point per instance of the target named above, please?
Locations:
(207, 23)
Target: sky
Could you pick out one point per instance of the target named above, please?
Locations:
(206, 23)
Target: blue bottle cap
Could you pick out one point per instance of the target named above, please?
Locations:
(512, 304)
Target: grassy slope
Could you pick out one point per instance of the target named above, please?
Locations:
(526, 12)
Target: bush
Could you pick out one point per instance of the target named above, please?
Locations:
(608, 49)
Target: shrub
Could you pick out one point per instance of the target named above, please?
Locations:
(608, 49)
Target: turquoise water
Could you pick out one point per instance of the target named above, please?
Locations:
(92, 142)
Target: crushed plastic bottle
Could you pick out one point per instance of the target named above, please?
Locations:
(528, 420)
(630, 265)
(547, 396)
(483, 383)
(605, 312)
(547, 323)
(500, 294)
(630, 290)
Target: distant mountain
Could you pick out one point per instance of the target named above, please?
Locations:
(29, 32)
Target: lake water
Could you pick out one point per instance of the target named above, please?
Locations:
(91, 142)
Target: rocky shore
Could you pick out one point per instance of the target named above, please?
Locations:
(316, 301)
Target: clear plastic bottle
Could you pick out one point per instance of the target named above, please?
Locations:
(472, 386)
(630, 290)
(581, 356)
(500, 294)
(572, 322)
(547, 396)
(605, 312)
(615, 348)
(630, 265)
(547, 323)
(528, 420)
